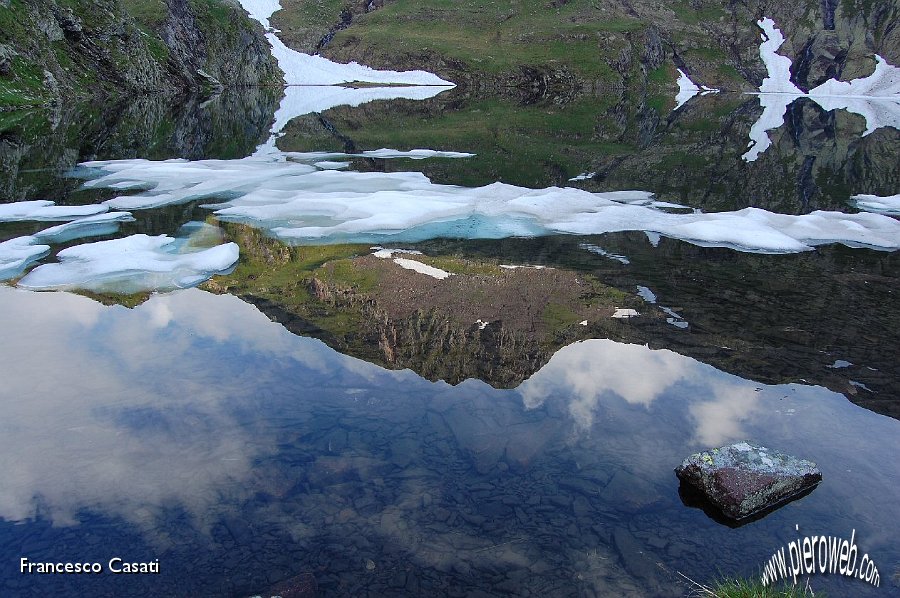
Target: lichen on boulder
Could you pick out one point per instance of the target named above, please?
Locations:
(745, 479)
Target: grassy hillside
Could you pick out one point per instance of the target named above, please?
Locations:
(606, 44)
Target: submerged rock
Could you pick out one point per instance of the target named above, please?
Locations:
(745, 479)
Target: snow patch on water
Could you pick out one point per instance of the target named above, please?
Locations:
(875, 203)
(298, 203)
(91, 226)
(45, 210)
(16, 254)
(130, 265)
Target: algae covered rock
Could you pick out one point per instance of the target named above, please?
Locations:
(744, 479)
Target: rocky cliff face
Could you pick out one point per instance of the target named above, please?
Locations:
(54, 49)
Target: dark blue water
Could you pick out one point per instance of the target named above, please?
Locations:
(193, 430)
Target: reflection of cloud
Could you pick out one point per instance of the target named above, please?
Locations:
(118, 410)
(589, 371)
(587, 374)
(720, 420)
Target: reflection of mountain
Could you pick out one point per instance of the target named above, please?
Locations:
(487, 322)
(816, 161)
(229, 125)
(773, 319)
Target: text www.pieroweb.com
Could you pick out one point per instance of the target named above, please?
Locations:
(820, 554)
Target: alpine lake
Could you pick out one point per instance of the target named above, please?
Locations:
(318, 420)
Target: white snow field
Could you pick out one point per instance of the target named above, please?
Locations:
(304, 69)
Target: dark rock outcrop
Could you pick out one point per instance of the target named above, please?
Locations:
(744, 479)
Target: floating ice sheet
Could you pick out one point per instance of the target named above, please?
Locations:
(45, 210)
(91, 226)
(875, 203)
(16, 254)
(130, 265)
(383, 153)
(301, 204)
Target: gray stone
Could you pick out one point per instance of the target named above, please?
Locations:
(743, 479)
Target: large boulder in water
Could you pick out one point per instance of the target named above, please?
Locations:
(744, 479)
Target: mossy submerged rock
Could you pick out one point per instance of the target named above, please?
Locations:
(743, 479)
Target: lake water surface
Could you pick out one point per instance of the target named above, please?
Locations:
(319, 421)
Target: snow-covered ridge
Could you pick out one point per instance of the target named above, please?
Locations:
(304, 69)
(876, 97)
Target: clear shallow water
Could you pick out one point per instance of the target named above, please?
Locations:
(193, 430)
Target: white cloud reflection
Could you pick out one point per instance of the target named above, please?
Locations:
(124, 411)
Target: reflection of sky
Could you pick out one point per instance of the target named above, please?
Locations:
(130, 409)
(198, 401)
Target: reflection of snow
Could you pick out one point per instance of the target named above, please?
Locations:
(300, 100)
(774, 107)
(876, 97)
(600, 251)
(584, 176)
(299, 203)
(688, 89)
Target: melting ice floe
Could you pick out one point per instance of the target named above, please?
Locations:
(876, 97)
(92, 226)
(303, 69)
(45, 210)
(688, 89)
(875, 203)
(16, 254)
(130, 265)
(299, 204)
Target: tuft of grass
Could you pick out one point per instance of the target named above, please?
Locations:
(749, 588)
